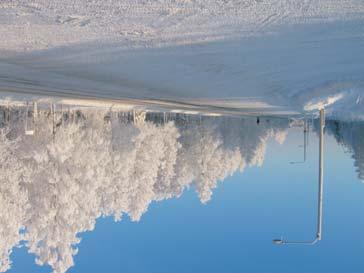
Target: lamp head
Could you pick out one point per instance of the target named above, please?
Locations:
(278, 241)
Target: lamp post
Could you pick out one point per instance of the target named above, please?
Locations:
(320, 192)
(305, 142)
(28, 131)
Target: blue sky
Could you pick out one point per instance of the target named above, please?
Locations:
(233, 232)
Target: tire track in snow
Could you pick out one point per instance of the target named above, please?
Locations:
(67, 22)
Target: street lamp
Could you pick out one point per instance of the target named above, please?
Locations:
(282, 242)
(305, 143)
(320, 192)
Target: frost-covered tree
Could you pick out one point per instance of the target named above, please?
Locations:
(350, 135)
(89, 164)
(203, 160)
(13, 198)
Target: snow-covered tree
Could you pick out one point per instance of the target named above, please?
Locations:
(13, 198)
(350, 136)
(91, 163)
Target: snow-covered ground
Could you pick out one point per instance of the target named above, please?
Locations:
(42, 24)
(282, 55)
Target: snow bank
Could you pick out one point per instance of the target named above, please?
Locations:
(344, 102)
(321, 103)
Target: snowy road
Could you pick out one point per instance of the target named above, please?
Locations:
(30, 25)
(297, 55)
